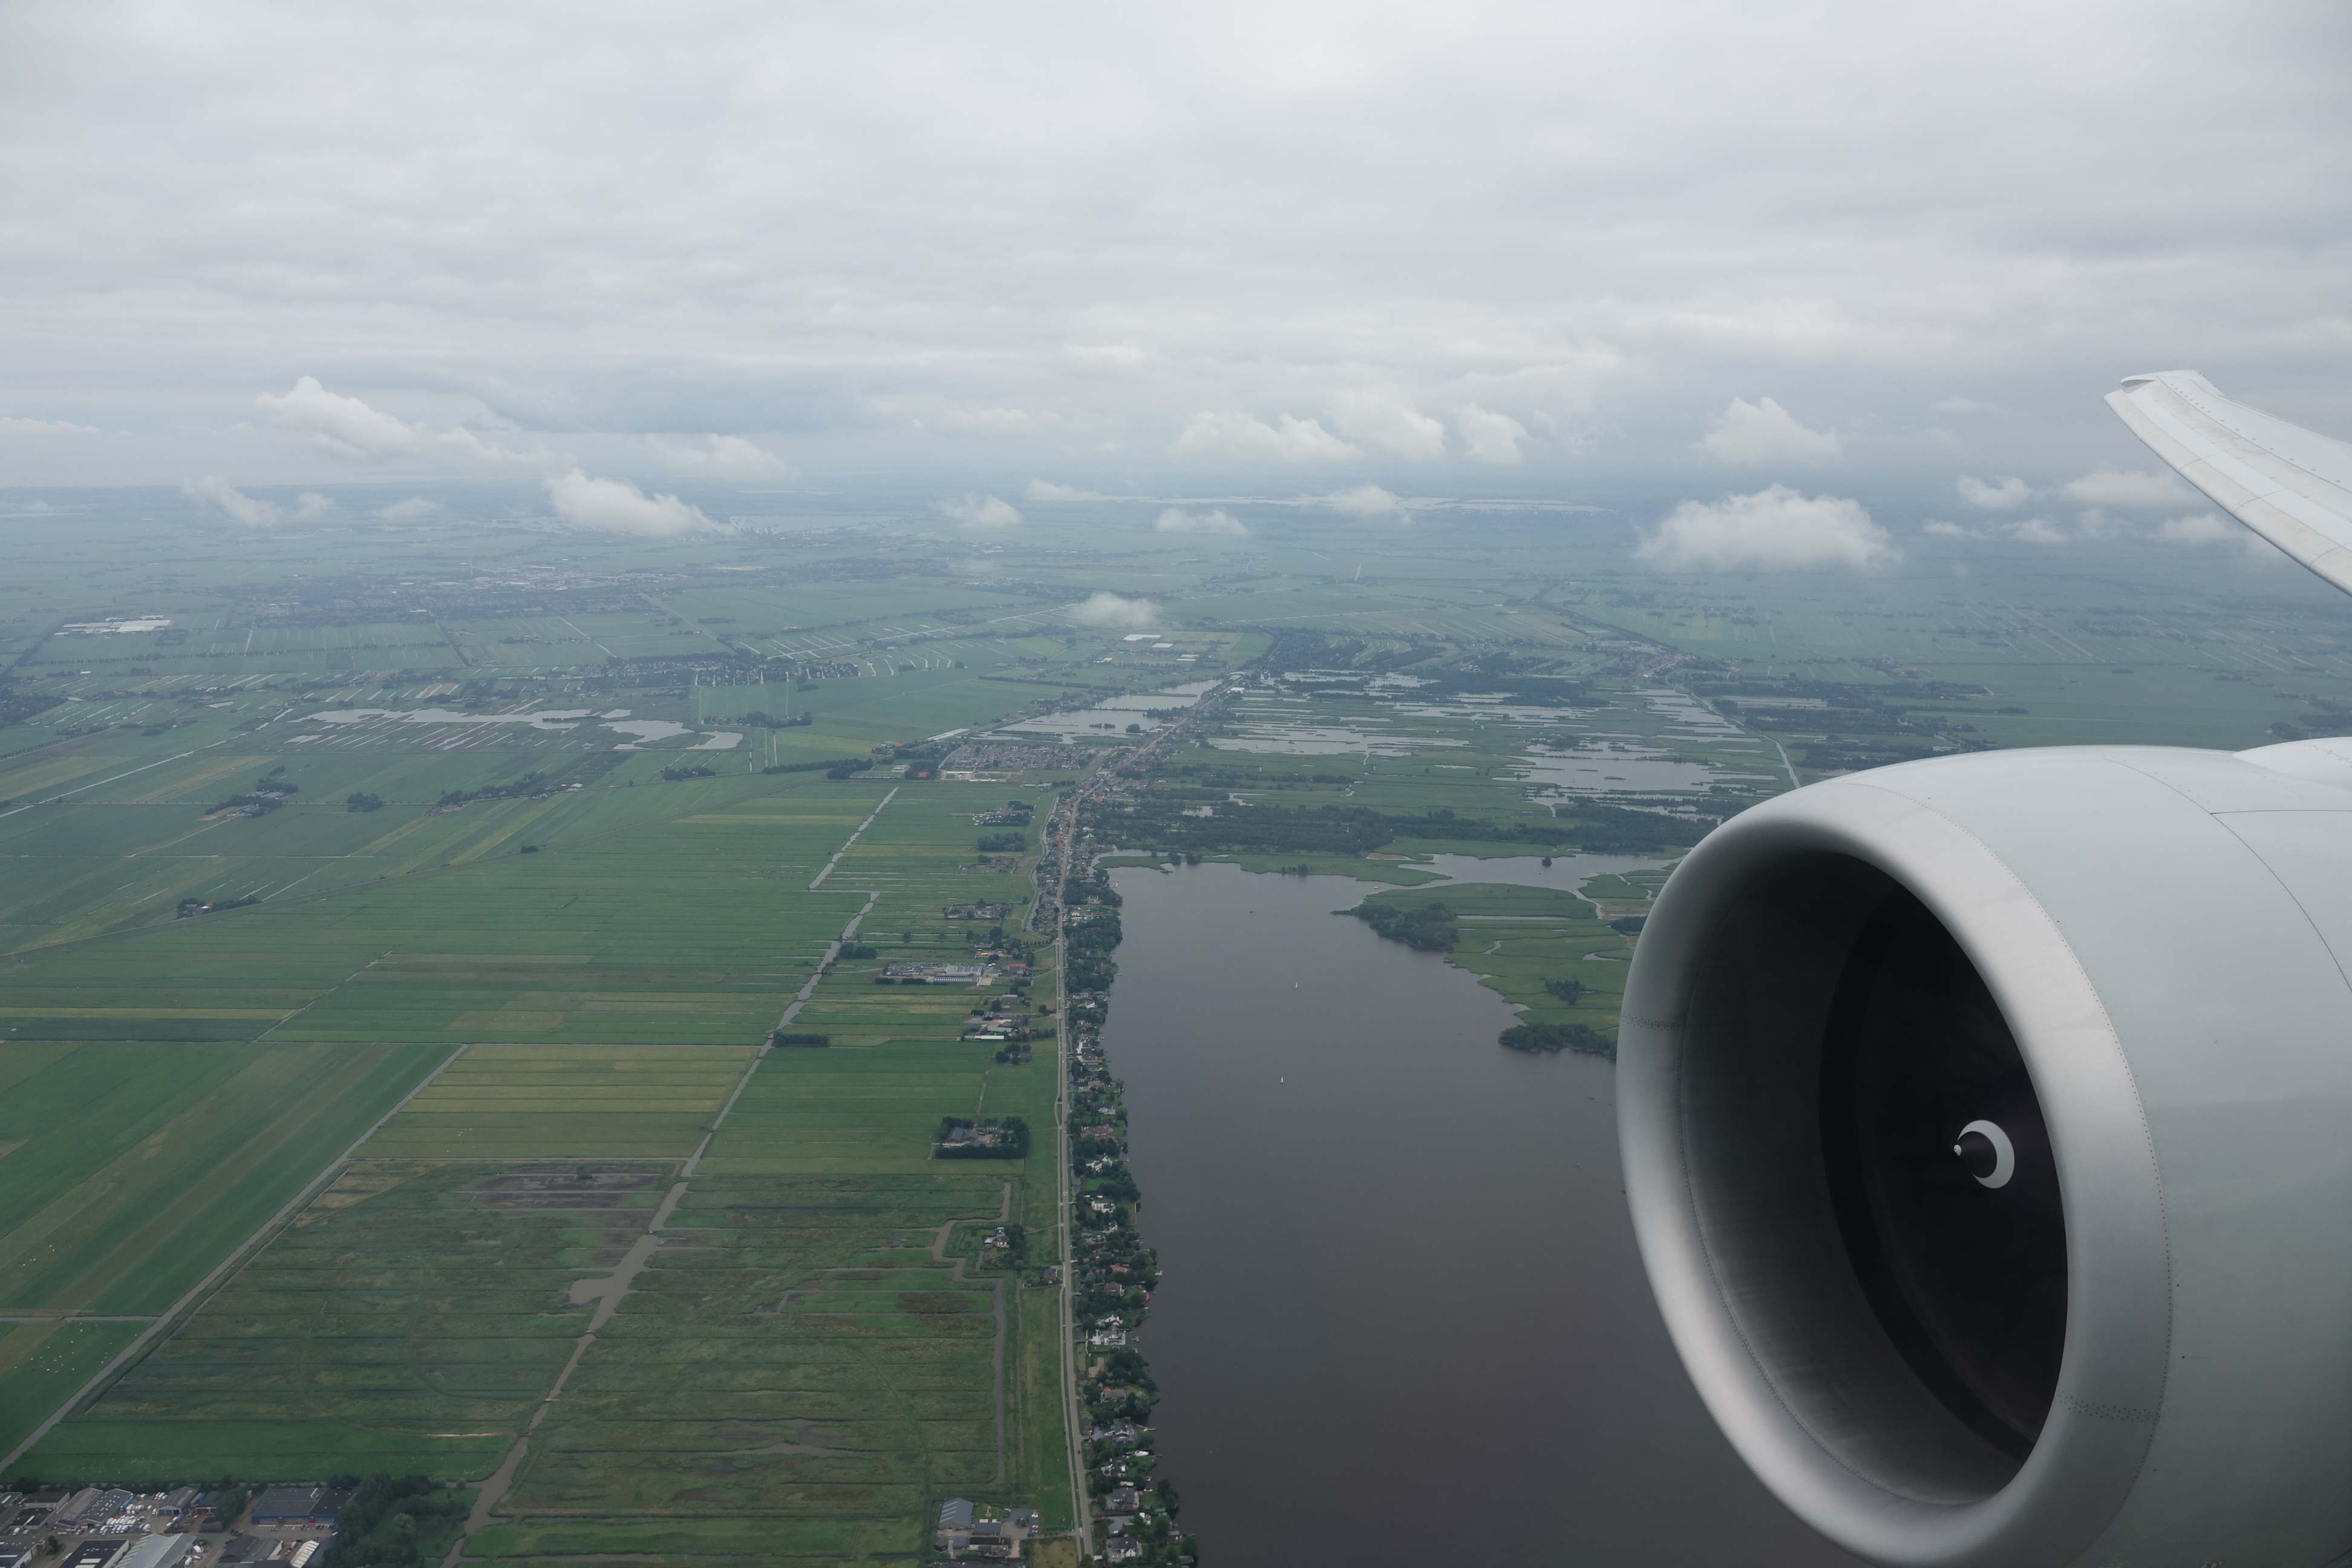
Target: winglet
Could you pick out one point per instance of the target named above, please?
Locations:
(2292, 486)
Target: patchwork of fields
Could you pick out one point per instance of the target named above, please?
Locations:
(391, 931)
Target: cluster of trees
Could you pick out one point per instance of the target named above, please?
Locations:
(830, 767)
(1569, 991)
(531, 783)
(1002, 843)
(15, 707)
(269, 792)
(360, 800)
(676, 772)
(207, 906)
(1011, 1144)
(798, 1037)
(378, 1528)
(1554, 1037)
(1429, 927)
(1085, 954)
(762, 722)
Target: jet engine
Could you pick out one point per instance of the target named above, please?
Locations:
(1987, 1131)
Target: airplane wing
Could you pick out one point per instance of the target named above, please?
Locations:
(2288, 484)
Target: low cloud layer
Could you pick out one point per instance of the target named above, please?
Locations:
(723, 457)
(1776, 527)
(1998, 495)
(1228, 242)
(12, 425)
(250, 510)
(1364, 500)
(1242, 438)
(981, 511)
(1490, 438)
(1391, 425)
(616, 506)
(1105, 609)
(1765, 434)
(1046, 490)
(1175, 519)
(351, 429)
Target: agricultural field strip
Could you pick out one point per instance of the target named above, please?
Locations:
(851, 840)
(52, 800)
(494, 1490)
(222, 1270)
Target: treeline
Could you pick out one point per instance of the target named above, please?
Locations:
(378, 1528)
(1429, 927)
(1551, 1038)
(1011, 1142)
(531, 783)
(832, 767)
(16, 706)
(1085, 953)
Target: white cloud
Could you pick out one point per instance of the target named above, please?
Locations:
(2037, 531)
(999, 421)
(1364, 500)
(348, 429)
(342, 426)
(1763, 435)
(725, 458)
(310, 506)
(1241, 437)
(1489, 438)
(12, 425)
(1046, 490)
(1950, 531)
(245, 509)
(2001, 495)
(616, 506)
(1175, 520)
(415, 506)
(1774, 527)
(981, 511)
(2200, 528)
(1110, 610)
(1958, 404)
(1128, 215)
(1105, 356)
(1391, 426)
(2130, 488)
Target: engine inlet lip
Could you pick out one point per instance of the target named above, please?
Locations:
(2118, 1342)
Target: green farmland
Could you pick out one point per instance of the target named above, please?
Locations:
(391, 941)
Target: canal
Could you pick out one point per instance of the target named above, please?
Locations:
(1403, 1319)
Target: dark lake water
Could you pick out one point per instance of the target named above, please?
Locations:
(1404, 1319)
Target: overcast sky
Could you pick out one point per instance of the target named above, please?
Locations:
(1697, 249)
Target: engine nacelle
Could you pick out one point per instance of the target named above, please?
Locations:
(1987, 1131)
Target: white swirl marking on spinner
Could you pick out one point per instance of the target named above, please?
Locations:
(2004, 1153)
